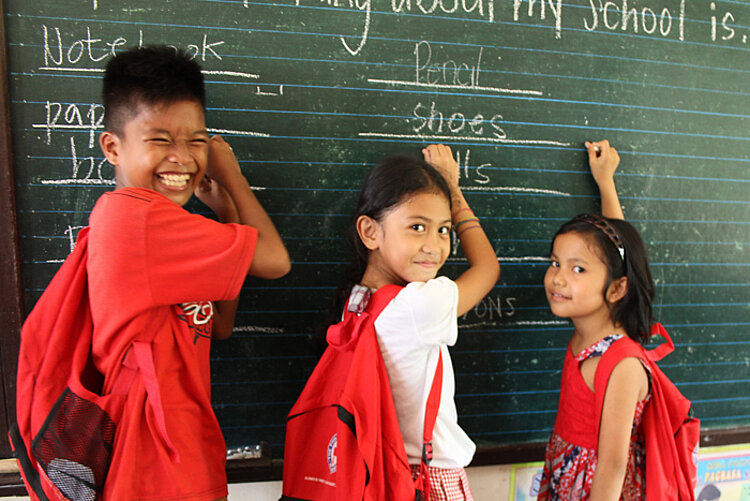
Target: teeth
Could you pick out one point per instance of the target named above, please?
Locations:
(175, 180)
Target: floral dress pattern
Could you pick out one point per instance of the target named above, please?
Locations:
(569, 469)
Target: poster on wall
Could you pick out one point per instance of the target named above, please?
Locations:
(723, 475)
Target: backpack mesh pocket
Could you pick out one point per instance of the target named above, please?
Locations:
(74, 446)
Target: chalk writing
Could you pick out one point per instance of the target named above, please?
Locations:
(448, 74)
(491, 307)
(480, 7)
(59, 52)
(72, 233)
(614, 17)
(77, 49)
(554, 7)
(87, 170)
(474, 174)
(205, 49)
(724, 26)
(433, 137)
(431, 119)
(70, 116)
(361, 6)
(445, 72)
(485, 9)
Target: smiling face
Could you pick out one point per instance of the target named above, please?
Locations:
(162, 148)
(576, 279)
(410, 243)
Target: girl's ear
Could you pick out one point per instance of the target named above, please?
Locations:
(369, 232)
(617, 290)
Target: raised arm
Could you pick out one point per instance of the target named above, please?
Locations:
(226, 191)
(603, 161)
(484, 270)
(271, 259)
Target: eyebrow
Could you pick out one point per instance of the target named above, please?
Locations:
(199, 132)
(428, 219)
(574, 260)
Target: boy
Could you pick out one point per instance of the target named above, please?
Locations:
(153, 267)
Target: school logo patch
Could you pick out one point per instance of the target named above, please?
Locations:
(332, 454)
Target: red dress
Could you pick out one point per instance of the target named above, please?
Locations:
(570, 458)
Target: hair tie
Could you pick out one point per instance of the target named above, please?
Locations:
(602, 224)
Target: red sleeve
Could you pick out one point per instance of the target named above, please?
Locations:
(154, 252)
(192, 258)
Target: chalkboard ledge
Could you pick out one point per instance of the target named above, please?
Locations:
(267, 469)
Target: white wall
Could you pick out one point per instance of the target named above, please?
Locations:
(488, 483)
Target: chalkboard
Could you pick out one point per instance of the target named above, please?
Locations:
(312, 93)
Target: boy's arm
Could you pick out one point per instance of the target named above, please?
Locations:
(603, 161)
(223, 195)
(224, 313)
(217, 199)
(271, 259)
(484, 269)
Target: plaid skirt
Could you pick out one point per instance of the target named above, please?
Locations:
(446, 484)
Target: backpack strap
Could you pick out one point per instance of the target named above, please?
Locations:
(619, 350)
(379, 300)
(344, 335)
(430, 418)
(140, 358)
(624, 348)
(663, 349)
(382, 298)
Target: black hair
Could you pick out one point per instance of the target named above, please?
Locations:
(634, 311)
(386, 186)
(152, 75)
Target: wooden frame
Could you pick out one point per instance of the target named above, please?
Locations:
(12, 313)
(11, 300)
(270, 469)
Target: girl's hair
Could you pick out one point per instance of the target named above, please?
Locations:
(386, 186)
(623, 252)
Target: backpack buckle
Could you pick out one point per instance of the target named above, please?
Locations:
(359, 298)
(427, 453)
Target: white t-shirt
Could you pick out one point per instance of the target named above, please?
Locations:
(420, 321)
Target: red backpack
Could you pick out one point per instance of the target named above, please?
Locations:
(56, 342)
(65, 426)
(343, 440)
(671, 433)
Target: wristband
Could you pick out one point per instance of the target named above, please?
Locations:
(464, 230)
(459, 211)
(467, 220)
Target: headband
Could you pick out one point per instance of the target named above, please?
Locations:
(606, 228)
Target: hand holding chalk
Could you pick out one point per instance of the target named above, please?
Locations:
(603, 161)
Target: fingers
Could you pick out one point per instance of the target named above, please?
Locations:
(603, 160)
(437, 153)
(602, 153)
(441, 158)
(205, 184)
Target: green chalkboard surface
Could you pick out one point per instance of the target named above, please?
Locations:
(311, 93)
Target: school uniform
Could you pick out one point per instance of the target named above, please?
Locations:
(418, 324)
(154, 266)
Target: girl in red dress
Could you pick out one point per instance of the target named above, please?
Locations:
(599, 278)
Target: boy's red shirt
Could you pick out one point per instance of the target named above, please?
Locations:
(148, 254)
